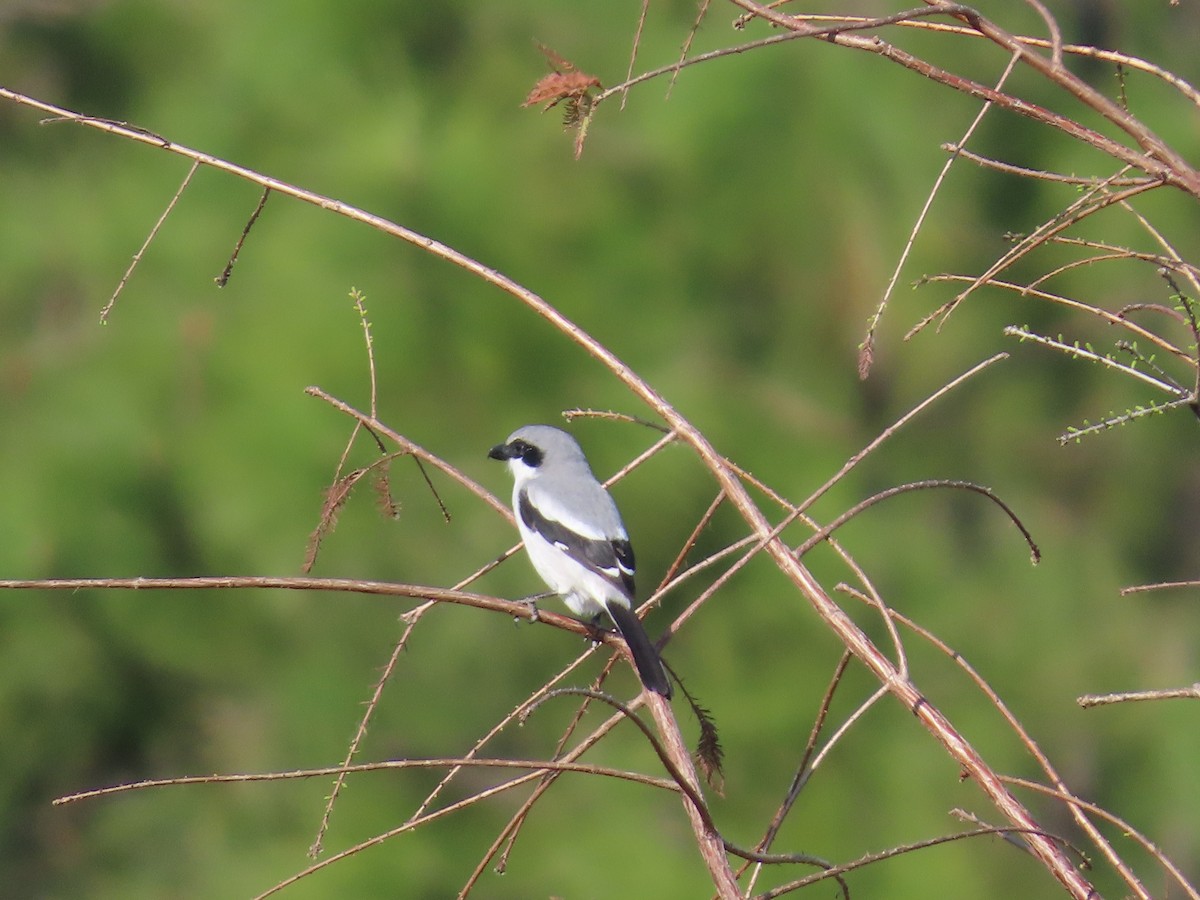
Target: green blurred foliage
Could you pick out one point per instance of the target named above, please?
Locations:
(729, 245)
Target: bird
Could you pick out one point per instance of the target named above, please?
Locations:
(575, 538)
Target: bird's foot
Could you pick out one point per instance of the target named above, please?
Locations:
(531, 605)
(596, 631)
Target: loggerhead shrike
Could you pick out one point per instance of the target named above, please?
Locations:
(574, 537)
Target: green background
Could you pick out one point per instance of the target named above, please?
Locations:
(729, 244)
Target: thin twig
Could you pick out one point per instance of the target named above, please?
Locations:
(1156, 158)
(638, 30)
(473, 800)
(360, 732)
(385, 765)
(872, 858)
(867, 351)
(809, 543)
(1112, 318)
(1056, 44)
(1159, 586)
(223, 278)
(1040, 174)
(701, 12)
(415, 450)
(1091, 203)
(1122, 827)
(801, 776)
(1077, 808)
(137, 257)
(1192, 692)
(1080, 352)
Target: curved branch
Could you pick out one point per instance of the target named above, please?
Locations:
(384, 765)
(1156, 159)
(849, 514)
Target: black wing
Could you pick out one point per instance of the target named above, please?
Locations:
(610, 559)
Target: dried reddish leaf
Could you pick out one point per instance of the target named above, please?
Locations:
(388, 505)
(557, 63)
(566, 84)
(566, 81)
(336, 496)
(557, 86)
(709, 755)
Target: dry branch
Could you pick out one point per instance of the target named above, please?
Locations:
(1160, 163)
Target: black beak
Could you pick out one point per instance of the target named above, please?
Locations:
(502, 452)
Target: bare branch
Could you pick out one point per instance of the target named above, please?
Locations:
(1192, 692)
(223, 278)
(137, 257)
(385, 765)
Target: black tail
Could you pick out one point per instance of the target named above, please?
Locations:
(649, 667)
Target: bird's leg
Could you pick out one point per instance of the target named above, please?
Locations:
(596, 630)
(531, 603)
